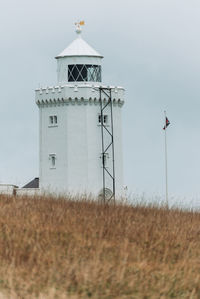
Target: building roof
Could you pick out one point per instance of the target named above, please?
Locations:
(32, 184)
(79, 47)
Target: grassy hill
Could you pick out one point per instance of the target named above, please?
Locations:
(67, 249)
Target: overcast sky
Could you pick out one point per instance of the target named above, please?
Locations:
(150, 47)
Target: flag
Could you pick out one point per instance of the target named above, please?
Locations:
(167, 123)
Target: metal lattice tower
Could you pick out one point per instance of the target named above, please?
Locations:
(107, 141)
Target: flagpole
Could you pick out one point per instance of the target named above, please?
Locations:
(166, 170)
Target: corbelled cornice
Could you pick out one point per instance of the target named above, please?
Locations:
(77, 94)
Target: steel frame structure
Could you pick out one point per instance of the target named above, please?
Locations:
(107, 105)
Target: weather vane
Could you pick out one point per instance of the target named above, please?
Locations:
(78, 26)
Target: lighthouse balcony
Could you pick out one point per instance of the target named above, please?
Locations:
(81, 94)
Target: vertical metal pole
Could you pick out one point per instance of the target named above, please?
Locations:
(166, 170)
(102, 144)
(113, 150)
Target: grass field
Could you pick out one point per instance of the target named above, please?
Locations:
(67, 249)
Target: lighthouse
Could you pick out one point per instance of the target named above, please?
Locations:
(80, 127)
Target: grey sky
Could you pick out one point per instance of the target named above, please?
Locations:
(151, 47)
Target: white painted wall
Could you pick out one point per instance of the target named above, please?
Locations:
(76, 140)
(7, 189)
(28, 191)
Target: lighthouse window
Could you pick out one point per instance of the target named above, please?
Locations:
(84, 72)
(52, 158)
(53, 120)
(104, 158)
(105, 119)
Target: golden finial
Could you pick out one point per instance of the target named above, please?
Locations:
(78, 26)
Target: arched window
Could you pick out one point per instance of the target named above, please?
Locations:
(84, 72)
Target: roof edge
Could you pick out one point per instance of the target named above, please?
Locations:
(96, 56)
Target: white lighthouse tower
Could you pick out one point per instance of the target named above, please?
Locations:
(80, 127)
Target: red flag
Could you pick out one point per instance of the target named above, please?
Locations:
(167, 123)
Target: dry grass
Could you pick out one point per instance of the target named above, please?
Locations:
(66, 249)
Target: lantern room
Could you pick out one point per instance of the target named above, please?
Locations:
(79, 62)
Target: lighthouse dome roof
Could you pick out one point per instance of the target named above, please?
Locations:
(79, 47)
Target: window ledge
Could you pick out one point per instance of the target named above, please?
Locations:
(99, 125)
